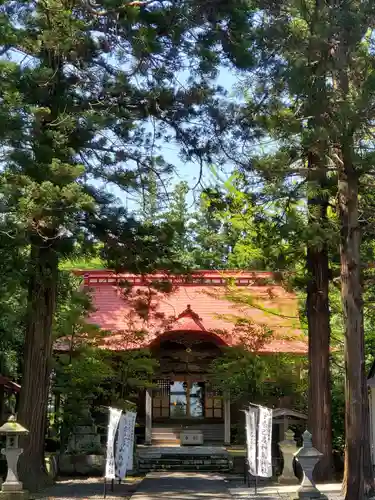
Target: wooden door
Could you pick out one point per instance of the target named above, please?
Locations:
(213, 404)
(160, 399)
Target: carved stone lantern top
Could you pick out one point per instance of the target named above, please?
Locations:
(289, 435)
(288, 439)
(307, 450)
(13, 428)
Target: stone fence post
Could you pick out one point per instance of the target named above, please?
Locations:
(288, 448)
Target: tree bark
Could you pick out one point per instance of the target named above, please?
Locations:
(317, 258)
(368, 466)
(356, 397)
(318, 317)
(42, 286)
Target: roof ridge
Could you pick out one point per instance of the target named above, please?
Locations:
(189, 313)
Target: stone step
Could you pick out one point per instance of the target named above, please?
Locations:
(165, 442)
(180, 458)
(185, 468)
(206, 429)
(184, 462)
(157, 425)
(166, 434)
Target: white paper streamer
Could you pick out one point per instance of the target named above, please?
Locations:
(110, 466)
(265, 442)
(125, 444)
(251, 439)
(130, 464)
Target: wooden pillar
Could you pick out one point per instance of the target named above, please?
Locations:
(227, 419)
(148, 410)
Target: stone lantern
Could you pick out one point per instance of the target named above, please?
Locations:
(308, 457)
(12, 488)
(288, 448)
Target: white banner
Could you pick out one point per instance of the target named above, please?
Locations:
(265, 442)
(110, 467)
(120, 439)
(130, 464)
(251, 439)
(125, 444)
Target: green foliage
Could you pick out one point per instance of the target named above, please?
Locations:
(134, 370)
(74, 114)
(13, 298)
(74, 120)
(79, 369)
(85, 374)
(260, 378)
(79, 378)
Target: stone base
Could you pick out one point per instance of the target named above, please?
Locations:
(11, 486)
(14, 495)
(312, 496)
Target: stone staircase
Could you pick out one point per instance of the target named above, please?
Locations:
(168, 435)
(192, 458)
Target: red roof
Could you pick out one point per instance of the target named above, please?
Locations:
(137, 311)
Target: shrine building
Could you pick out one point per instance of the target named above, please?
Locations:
(186, 322)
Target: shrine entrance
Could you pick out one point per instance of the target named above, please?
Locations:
(191, 399)
(186, 399)
(182, 396)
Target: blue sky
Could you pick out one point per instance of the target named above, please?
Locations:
(189, 171)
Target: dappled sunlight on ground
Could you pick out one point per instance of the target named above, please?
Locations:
(182, 486)
(175, 486)
(278, 492)
(87, 488)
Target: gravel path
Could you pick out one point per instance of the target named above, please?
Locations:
(70, 489)
(239, 492)
(173, 486)
(182, 486)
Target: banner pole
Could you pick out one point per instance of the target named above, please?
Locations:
(111, 441)
(106, 454)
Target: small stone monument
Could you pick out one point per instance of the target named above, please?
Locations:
(85, 437)
(288, 448)
(12, 488)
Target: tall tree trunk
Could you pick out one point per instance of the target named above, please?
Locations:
(368, 472)
(43, 275)
(317, 310)
(356, 397)
(318, 317)
(317, 259)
